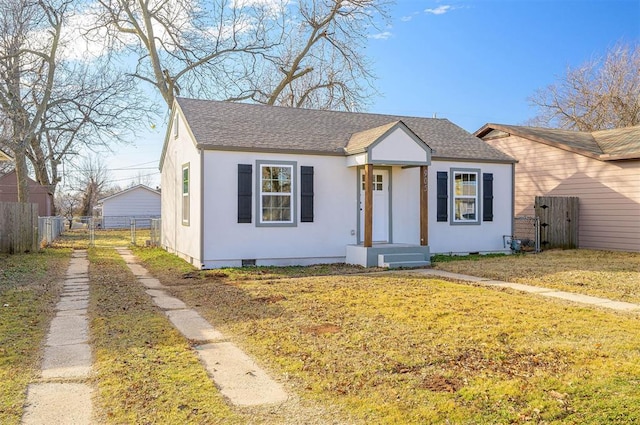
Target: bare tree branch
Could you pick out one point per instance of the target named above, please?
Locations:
(601, 94)
(239, 50)
(50, 104)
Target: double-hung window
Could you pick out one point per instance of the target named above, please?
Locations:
(185, 195)
(465, 196)
(276, 188)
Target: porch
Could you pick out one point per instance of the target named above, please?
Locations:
(379, 154)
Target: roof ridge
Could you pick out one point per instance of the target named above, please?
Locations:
(333, 111)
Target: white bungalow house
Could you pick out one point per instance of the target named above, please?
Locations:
(139, 202)
(248, 184)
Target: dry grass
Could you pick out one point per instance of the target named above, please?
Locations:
(80, 238)
(614, 275)
(29, 288)
(146, 372)
(396, 349)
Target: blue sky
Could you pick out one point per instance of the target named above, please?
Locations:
(472, 62)
(475, 62)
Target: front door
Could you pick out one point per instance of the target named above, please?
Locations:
(380, 205)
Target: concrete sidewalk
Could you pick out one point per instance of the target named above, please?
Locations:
(545, 292)
(237, 376)
(63, 396)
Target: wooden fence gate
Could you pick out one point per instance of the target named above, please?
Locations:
(18, 227)
(558, 217)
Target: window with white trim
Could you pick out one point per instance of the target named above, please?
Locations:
(377, 182)
(185, 194)
(276, 193)
(465, 195)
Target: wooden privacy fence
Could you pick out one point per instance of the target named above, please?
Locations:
(18, 227)
(558, 217)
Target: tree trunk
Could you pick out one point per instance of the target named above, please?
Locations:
(21, 174)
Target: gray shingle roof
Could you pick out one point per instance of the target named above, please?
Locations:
(619, 143)
(249, 127)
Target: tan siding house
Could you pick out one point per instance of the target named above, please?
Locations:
(601, 168)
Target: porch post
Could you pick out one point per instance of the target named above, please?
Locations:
(424, 205)
(368, 205)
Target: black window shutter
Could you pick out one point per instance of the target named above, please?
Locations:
(244, 193)
(306, 194)
(487, 197)
(442, 187)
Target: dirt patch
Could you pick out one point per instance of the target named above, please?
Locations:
(441, 384)
(511, 363)
(323, 329)
(270, 300)
(216, 275)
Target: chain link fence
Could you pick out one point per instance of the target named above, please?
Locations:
(155, 233)
(526, 235)
(49, 228)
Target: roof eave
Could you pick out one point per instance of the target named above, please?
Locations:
(483, 160)
(514, 132)
(206, 147)
(622, 157)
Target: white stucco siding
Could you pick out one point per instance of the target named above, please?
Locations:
(487, 236)
(398, 146)
(181, 239)
(227, 242)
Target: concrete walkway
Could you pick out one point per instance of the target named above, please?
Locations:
(545, 292)
(237, 376)
(62, 395)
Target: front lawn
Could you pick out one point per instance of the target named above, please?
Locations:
(407, 349)
(145, 372)
(607, 274)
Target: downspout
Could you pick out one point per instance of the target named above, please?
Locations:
(513, 198)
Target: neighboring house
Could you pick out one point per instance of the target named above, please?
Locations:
(251, 184)
(138, 202)
(38, 194)
(601, 168)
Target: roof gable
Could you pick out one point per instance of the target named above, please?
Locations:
(131, 189)
(259, 128)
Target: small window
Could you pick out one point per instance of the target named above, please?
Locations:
(276, 194)
(176, 123)
(465, 196)
(185, 194)
(377, 182)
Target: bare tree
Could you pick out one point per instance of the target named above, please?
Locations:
(601, 94)
(90, 180)
(68, 204)
(186, 46)
(321, 62)
(306, 53)
(51, 103)
(23, 66)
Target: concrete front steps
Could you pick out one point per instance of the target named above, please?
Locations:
(403, 260)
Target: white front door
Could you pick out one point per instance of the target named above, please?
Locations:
(380, 205)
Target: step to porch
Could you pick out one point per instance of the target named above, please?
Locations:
(403, 260)
(389, 255)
